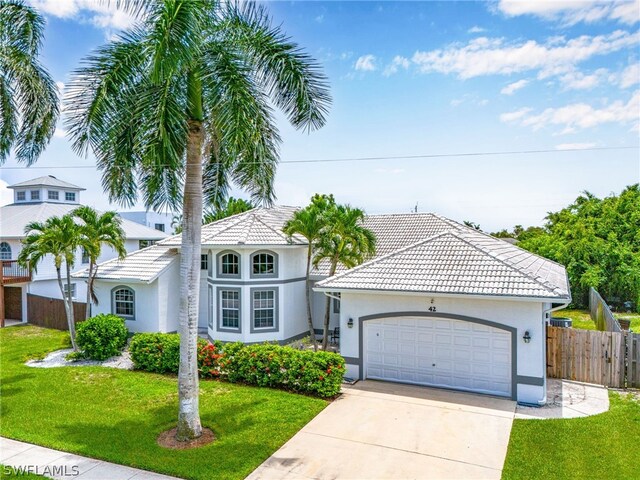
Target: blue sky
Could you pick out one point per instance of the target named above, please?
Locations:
(420, 78)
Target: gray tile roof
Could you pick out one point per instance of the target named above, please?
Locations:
(47, 181)
(142, 265)
(415, 253)
(458, 261)
(15, 217)
(260, 226)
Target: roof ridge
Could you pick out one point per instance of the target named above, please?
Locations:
(281, 234)
(508, 264)
(385, 257)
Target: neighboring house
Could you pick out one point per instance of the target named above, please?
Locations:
(155, 220)
(35, 201)
(441, 304)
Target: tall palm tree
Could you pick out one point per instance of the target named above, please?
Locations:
(98, 229)
(180, 107)
(310, 223)
(345, 242)
(58, 237)
(28, 94)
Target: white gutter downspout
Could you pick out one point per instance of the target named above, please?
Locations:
(544, 322)
(328, 294)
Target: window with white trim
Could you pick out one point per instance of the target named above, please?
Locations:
(230, 264)
(264, 308)
(53, 195)
(70, 196)
(230, 309)
(85, 256)
(159, 226)
(65, 288)
(263, 264)
(5, 251)
(21, 196)
(124, 302)
(35, 194)
(204, 261)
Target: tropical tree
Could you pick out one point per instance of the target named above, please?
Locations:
(58, 237)
(28, 94)
(96, 230)
(344, 242)
(310, 223)
(179, 106)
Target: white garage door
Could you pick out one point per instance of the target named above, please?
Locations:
(439, 352)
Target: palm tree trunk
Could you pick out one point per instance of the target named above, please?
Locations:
(65, 298)
(327, 310)
(87, 314)
(312, 332)
(189, 426)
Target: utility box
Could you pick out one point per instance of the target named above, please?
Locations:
(561, 322)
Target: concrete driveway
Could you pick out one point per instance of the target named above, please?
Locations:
(380, 430)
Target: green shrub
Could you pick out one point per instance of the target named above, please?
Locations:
(265, 365)
(102, 336)
(157, 352)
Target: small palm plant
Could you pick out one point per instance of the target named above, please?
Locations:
(60, 238)
(310, 223)
(98, 229)
(28, 94)
(344, 242)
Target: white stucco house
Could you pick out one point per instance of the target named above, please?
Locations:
(37, 200)
(440, 305)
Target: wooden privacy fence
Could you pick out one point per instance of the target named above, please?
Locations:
(601, 313)
(50, 312)
(611, 359)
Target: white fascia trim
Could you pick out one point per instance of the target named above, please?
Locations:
(437, 294)
(122, 280)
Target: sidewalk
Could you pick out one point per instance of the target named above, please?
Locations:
(65, 466)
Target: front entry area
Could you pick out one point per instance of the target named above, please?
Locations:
(470, 355)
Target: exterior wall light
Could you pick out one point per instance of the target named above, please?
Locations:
(350, 323)
(526, 337)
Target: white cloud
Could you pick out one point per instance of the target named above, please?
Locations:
(59, 133)
(393, 171)
(513, 87)
(397, 63)
(476, 29)
(514, 116)
(99, 13)
(490, 56)
(630, 76)
(575, 146)
(577, 116)
(320, 18)
(571, 12)
(576, 80)
(366, 63)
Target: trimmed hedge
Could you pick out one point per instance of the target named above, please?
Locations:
(102, 336)
(265, 365)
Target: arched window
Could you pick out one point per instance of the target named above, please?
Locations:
(229, 264)
(123, 302)
(5, 251)
(264, 264)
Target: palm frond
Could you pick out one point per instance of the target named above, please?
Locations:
(291, 77)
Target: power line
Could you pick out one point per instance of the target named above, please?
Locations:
(394, 157)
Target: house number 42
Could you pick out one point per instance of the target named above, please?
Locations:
(432, 308)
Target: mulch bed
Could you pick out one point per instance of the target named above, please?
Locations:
(168, 440)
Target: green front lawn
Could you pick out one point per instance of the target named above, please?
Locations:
(116, 415)
(601, 446)
(582, 319)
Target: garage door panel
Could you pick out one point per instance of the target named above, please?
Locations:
(439, 352)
